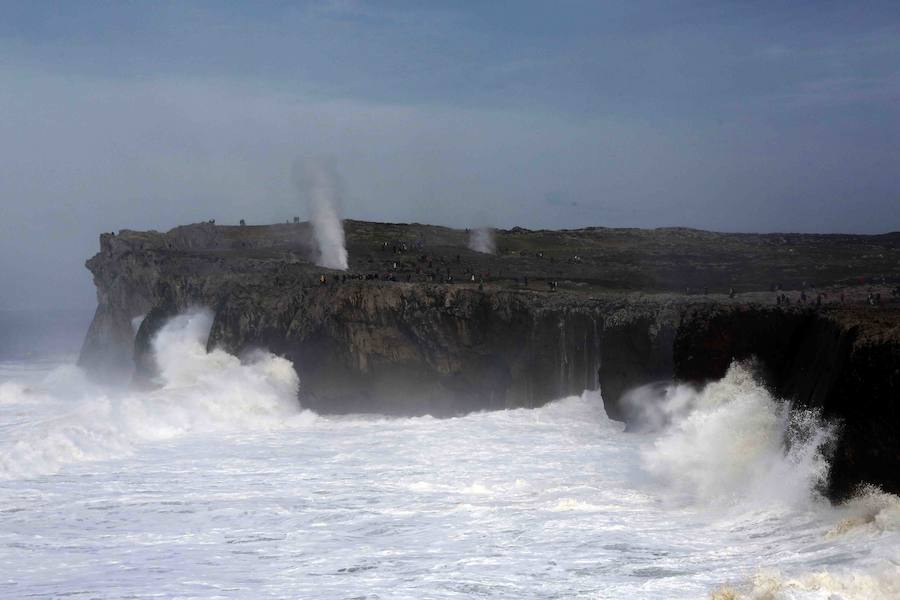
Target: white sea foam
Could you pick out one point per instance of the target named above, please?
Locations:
(733, 442)
(201, 391)
(218, 485)
(879, 582)
(870, 511)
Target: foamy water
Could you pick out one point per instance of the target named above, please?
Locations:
(217, 485)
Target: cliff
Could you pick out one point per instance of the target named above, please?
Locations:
(845, 362)
(420, 324)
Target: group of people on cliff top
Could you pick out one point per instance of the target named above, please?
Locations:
(402, 247)
(784, 300)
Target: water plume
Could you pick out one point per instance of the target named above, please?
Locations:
(733, 442)
(482, 240)
(319, 182)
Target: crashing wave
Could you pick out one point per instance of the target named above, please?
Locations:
(201, 391)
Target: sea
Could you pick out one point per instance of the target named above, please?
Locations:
(218, 484)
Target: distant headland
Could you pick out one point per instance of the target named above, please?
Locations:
(429, 319)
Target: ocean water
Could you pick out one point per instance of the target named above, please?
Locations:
(218, 485)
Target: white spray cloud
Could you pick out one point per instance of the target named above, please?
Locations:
(732, 441)
(73, 420)
(319, 182)
(482, 240)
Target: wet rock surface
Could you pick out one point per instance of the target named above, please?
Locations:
(420, 324)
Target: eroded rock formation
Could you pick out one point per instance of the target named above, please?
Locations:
(419, 324)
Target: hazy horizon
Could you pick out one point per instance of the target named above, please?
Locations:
(722, 117)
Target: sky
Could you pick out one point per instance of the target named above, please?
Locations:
(732, 116)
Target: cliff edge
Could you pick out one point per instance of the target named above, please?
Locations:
(421, 324)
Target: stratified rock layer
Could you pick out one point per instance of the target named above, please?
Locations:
(444, 330)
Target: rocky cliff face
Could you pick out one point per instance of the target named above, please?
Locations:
(411, 342)
(845, 362)
(417, 349)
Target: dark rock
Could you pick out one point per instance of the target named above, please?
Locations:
(845, 363)
(365, 343)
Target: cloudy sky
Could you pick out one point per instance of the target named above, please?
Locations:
(717, 115)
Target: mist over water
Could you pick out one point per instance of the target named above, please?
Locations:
(218, 484)
(65, 418)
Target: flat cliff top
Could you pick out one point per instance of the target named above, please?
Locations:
(652, 260)
(853, 277)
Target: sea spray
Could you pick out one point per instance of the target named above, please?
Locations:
(733, 442)
(482, 240)
(201, 391)
(550, 502)
(319, 183)
(733, 445)
(870, 510)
